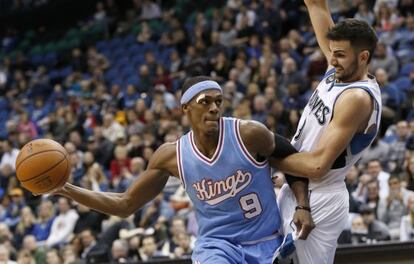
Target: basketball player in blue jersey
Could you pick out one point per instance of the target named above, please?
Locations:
(339, 122)
(222, 163)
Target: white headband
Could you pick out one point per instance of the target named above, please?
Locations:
(197, 88)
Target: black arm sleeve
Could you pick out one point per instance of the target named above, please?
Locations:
(283, 148)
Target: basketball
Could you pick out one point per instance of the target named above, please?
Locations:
(42, 166)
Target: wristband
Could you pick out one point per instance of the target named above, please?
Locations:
(301, 207)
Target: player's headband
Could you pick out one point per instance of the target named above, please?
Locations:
(197, 88)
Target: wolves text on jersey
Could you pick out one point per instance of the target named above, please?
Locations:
(318, 108)
(214, 192)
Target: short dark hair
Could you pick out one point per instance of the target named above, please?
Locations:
(193, 80)
(361, 35)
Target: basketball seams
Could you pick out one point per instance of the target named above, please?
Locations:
(64, 179)
(54, 166)
(34, 154)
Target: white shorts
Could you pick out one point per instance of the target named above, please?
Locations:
(330, 210)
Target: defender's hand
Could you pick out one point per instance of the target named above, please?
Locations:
(303, 222)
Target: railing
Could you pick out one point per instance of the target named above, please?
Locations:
(380, 253)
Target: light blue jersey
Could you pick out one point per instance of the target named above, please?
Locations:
(232, 193)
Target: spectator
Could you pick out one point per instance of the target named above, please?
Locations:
(375, 170)
(24, 257)
(383, 59)
(290, 75)
(9, 155)
(227, 34)
(410, 141)
(184, 249)
(7, 177)
(25, 226)
(378, 150)
(120, 165)
(409, 174)
(398, 147)
(394, 207)
(101, 147)
(38, 253)
(91, 247)
(112, 128)
(17, 203)
(351, 181)
(148, 250)
(26, 125)
(119, 252)
(364, 13)
(96, 60)
(391, 97)
(88, 219)
(269, 19)
(150, 10)
(94, 177)
(62, 226)
(5, 255)
(177, 227)
(53, 256)
(70, 254)
(407, 222)
(43, 225)
(359, 230)
(377, 230)
(372, 196)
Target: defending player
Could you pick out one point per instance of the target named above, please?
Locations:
(340, 120)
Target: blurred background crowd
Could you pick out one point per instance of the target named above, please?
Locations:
(106, 84)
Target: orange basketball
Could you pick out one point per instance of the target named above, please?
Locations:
(42, 166)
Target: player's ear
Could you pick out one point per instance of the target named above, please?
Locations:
(184, 107)
(364, 55)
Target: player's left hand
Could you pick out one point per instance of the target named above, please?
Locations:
(303, 222)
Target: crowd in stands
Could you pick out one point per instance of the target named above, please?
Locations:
(109, 92)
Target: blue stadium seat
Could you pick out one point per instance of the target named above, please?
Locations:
(4, 116)
(66, 71)
(102, 46)
(111, 74)
(115, 43)
(402, 83)
(4, 104)
(134, 80)
(127, 71)
(36, 60)
(150, 46)
(406, 69)
(134, 50)
(128, 40)
(50, 59)
(54, 74)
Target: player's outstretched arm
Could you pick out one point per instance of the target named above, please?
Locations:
(149, 184)
(351, 114)
(321, 20)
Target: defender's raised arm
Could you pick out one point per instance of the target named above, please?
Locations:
(321, 19)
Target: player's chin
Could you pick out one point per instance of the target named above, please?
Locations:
(211, 130)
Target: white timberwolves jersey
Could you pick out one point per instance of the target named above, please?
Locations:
(317, 115)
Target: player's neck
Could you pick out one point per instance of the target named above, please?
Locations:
(206, 143)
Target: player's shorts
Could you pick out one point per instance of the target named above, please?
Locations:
(330, 207)
(214, 251)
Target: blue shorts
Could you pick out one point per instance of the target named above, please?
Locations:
(214, 251)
